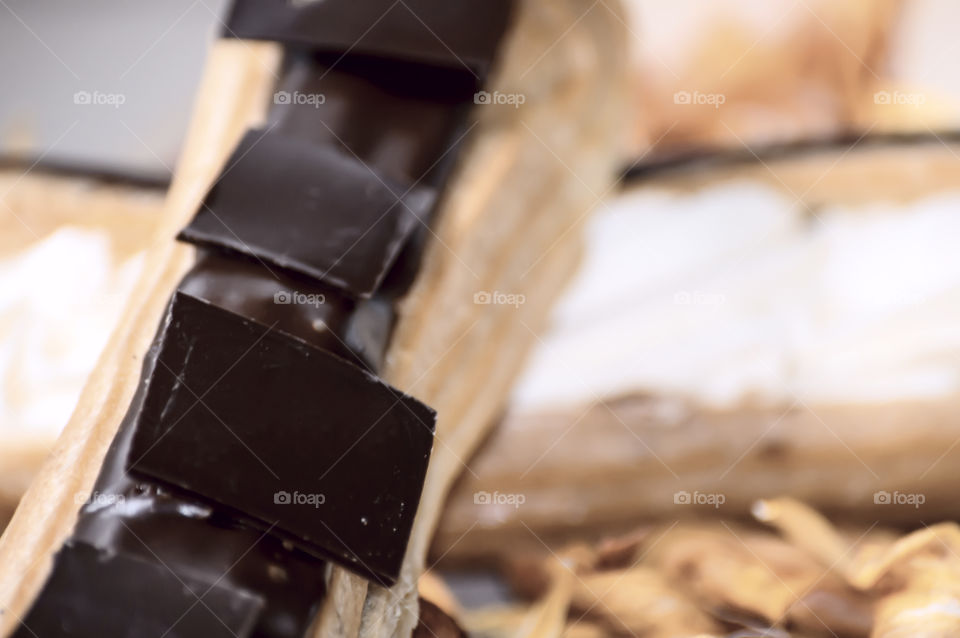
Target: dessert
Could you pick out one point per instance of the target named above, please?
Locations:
(380, 136)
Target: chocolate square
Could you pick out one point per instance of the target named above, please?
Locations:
(293, 438)
(311, 209)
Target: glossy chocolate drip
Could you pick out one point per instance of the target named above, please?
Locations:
(274, 428)
(396, 124)
(357, 330)
(162, 603)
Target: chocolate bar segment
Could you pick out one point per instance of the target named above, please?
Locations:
(310, 209)
(462, 34)
(158, 523)
(94, 593)
(292, 438)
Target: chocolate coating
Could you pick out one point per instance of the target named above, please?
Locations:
(135, 598)
(357, 330)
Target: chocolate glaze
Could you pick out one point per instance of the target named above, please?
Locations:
(356, 329)
(290, 302)
(396, 125)
(137, 598)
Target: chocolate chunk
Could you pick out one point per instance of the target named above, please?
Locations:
(159, 523)
(94, 593)
(462, 34)
(292, 438)
(310, 209)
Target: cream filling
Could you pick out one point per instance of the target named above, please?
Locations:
(59, 300)
(735, 293)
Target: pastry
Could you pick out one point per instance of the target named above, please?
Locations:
(271, 323)
(728, 336)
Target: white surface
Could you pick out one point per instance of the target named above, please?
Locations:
(732, 293)
(149, 53)
(59, 301)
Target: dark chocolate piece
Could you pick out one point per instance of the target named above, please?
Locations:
(295, 304)
(462, 34)
(311, 209)
(95, 593)
(160, 523)
(276, 429)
